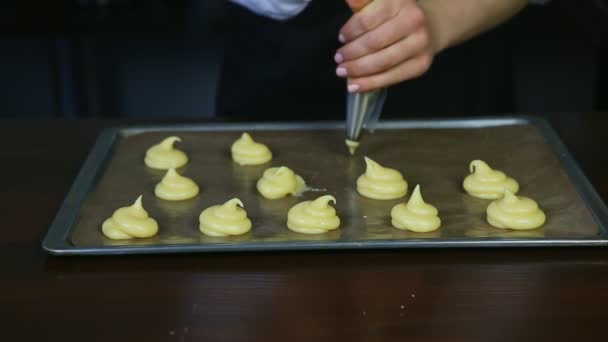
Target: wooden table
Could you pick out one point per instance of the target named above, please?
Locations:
(424, 295)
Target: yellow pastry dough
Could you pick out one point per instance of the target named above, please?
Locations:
(416, 215)
(517, 213)
(164, 156)
(279, 182)
(175, 187)
(381, 183)
(130, 222)
(313, 217)
(352, 146)
(245, 151)
(486, 183)
(226, 219)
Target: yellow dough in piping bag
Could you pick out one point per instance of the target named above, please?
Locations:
(175, 187)
(130, 222)
(486, 183)
(416, 215)
(164, 156)
(279, 182)
(225, 219)
(245, 151)
(313, 217)
(381, 183)
(352, 146)
(517, 213)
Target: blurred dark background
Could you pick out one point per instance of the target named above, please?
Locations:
(136, 58)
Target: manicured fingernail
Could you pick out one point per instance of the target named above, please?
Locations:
(341, 38)
(338, 58)
(353, 88)
(341, 71)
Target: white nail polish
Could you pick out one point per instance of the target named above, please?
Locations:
(338, 58)
(341, 71)
(353, 88)
(341, 38)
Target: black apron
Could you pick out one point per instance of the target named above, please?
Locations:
(285, 71)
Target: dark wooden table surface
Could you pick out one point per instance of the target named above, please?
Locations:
(416, 295)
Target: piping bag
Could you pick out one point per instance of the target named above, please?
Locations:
(362, 109)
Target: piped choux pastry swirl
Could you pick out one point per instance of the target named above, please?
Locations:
(225, 219)
(164, 155)
(416, 215)
(130, 222)
(175, 187)
(313, 217)
(279, 182)
(486, 183)
(245, 151)
(514, 212)
(381, 183)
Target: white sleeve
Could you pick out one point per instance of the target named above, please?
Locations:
(275, 9)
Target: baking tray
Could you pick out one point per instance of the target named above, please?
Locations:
(433, 153)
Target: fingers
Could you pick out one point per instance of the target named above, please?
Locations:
(386, 58)
(385, 43)
(407, 70)
(390, 32)
(372, 16)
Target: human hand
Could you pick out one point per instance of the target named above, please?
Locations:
(387, 42)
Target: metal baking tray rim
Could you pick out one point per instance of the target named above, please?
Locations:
(56, 241)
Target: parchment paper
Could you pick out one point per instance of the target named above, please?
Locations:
(437, 159)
